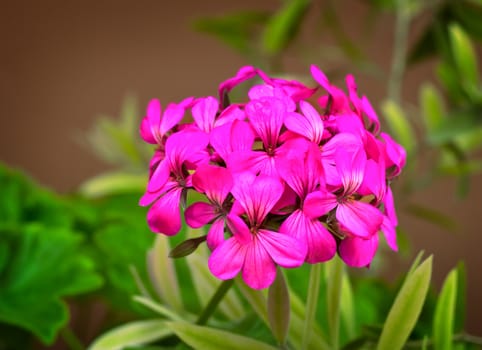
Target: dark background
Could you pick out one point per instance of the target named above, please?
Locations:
(64, 63)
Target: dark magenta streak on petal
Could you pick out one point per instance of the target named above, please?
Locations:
(285, 250)
(259, 270)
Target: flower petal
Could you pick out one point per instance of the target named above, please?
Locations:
(183, 146)
(285, 250)
(199, 214)
(319, 203)
(301, 166)
(244, 73)
(171, 117)
(320, 243)
(164, 216)
(257, 195)
(216, 234)
(231, 137)
(389, 205)
(204, 112)
(159, 177)
(251, 161)
(390, 234)
(239, 229)
(396, 154)
(259, 270)
(351, 168)
(216, 182)
(267, 116)
(358, 252)
(227, 259)
(359, 218)
(314, 120)
(146, 131)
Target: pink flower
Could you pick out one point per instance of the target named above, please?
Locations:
(254, 249)
(293, 181)
(216, 183)
(303, 174)
(155, 124)
(357, 218)
(266, 117)
(170, 180)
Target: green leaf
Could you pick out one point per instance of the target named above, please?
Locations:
(433, 110)
(464, 56)
(187, 247)
(132, 334)
(113, 183)
(206, 284)
(256, 299)
(468, 13)
(279, 308)
(237, 30)
(347, 307)
(43, 266)
(121, 240)
(399, 125)
(443, 323)
(460, 304)
(158, 308)
(162, 273)
(406, 309)
(283, 26)
(297, 326)
(24, 202)
(415, 263)
(116, 141)
(456, 124)
(206, 338)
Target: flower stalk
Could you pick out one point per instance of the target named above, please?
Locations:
(311, 304)
(214, 302)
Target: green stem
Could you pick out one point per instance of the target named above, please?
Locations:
(71, 339)
(311, 303)
(214, 302)
(399, 52)
(334, 285)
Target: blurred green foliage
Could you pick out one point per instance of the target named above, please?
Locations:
(95, 245)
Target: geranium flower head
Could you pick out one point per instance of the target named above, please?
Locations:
(286, 178)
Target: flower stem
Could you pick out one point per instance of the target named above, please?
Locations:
(214, 302)
(334, 286)
(397, 70)
(311, 302)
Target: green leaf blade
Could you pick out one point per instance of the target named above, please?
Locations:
(131, 334)
(207, 338)
(406, 309)
(443, 324)
(279, 308)
(399, 125)
(283, 26)
(464, 56)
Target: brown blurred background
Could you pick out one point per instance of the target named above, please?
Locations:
(64, 63)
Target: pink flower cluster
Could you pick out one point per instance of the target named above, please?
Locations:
(295, 174)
